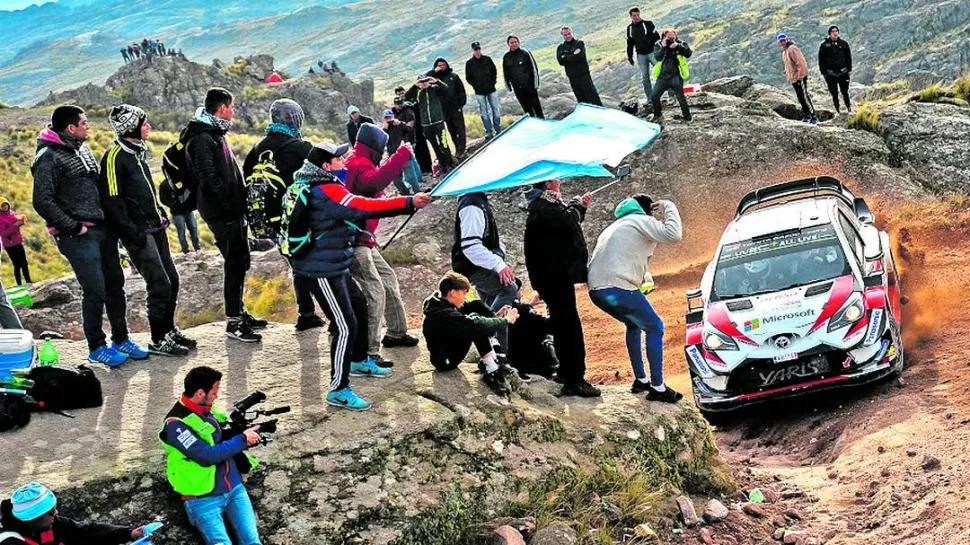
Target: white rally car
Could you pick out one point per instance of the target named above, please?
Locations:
(802, 295)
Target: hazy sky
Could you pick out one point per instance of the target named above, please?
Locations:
(20, 4)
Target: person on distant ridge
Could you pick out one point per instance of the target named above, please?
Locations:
(124, 55)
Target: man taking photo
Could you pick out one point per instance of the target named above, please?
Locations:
(202, 467)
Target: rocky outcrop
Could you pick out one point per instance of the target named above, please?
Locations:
(174, 84)
(436, 456)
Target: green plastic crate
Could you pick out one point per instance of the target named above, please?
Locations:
(19, 296)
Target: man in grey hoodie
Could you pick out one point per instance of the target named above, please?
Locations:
(619, 279)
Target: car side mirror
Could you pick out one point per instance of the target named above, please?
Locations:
(862, 211)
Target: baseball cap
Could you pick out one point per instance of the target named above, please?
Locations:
(476, 45)
(324, 152)
(388, 113)
(782, 37)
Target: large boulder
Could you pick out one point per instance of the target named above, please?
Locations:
(931, 142)
(732, 85)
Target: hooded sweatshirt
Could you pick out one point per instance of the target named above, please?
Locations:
(621, 258)
(454, 98)
(366, 178)
(10, 234)
(65, 183)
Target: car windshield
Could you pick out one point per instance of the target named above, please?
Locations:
(779, 262)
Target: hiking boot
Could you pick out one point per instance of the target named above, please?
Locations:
(253, 322)
(580, 389)
(168, 347)
(669, 395)
(308, 321)
(496, 382)
(347, 399)
(130, 349)
(403, 340)
(240, 331)
(639, 387)
(181, 339)
(368, 368)
(108, 356)
(525, 377)
(380, 361)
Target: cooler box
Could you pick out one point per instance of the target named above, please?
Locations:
(19, 295)
(16, 350)
(692, 88)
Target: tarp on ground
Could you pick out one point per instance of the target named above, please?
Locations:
(533, 150)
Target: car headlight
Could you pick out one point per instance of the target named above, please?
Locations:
(715, 340)
(846, 317)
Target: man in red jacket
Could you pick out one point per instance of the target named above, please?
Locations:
(366, 178)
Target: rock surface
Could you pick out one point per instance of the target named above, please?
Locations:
(557, 533)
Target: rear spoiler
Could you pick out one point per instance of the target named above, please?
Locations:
(806, 188)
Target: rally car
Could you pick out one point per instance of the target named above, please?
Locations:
(802, 295)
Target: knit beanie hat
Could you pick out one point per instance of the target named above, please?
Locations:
(831, 28)
(126, 120)
(32, 501)
(287, 112)
(372, 136)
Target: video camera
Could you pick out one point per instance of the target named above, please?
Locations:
(243, 416)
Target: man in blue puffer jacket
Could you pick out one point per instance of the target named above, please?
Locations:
(333, 214)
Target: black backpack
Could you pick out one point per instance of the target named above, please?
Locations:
(264, 197)
(176, 171)
(14, 412)
(64, 388)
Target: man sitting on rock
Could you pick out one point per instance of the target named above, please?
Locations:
(452, 325)
(30, 517)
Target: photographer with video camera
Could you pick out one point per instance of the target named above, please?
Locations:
(204, 458)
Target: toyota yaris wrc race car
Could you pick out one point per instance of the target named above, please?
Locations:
(802, 296)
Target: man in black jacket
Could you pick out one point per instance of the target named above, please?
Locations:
(421, 151)
(671, 73)
(481, 73)
(556, 257)
(66, 196)
(452, 325)
(284, 148)
(641, 36)
(222, 203)
(427, 93)
(571, 54)
(132, 211)
(30, 516)
(354, 123)
(835, 62)
(452, 102)
(522, 77)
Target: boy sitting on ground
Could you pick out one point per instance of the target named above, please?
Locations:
(452, 325)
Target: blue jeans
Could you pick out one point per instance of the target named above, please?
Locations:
(206, 514)
(645, 62)
(192, 223)
(633, 309)
(490, 111)
(97, 266)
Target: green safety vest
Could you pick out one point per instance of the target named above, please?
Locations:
(186, 476)
(684, 72)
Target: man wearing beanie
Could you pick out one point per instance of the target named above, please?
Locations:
(366, 178)
(30, 517)
(132, 211)
(354, 123)
(66, 196)
(222, 204)
(285, 149)
(835, 63)
(330, 213)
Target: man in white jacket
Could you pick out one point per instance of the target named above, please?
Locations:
(619, 278)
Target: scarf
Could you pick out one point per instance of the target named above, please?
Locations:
(284, 129)
(138, 148)
(552, 196)
(203, 116)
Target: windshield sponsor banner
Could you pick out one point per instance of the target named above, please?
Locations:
(802, 237)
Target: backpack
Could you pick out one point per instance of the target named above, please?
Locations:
(295, 240)
(14, 412)
(64, 388)
(176, 171)
(264, 198)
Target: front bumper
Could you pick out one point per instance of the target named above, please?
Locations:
(886, 361)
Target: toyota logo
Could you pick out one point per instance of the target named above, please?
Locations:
(782, 342)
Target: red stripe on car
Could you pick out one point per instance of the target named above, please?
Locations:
(839, 295)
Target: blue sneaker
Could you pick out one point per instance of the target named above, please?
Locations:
(347, 399)
(368, 368)
(108, 356)
(131, 349)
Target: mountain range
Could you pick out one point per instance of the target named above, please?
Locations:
(77, 41)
